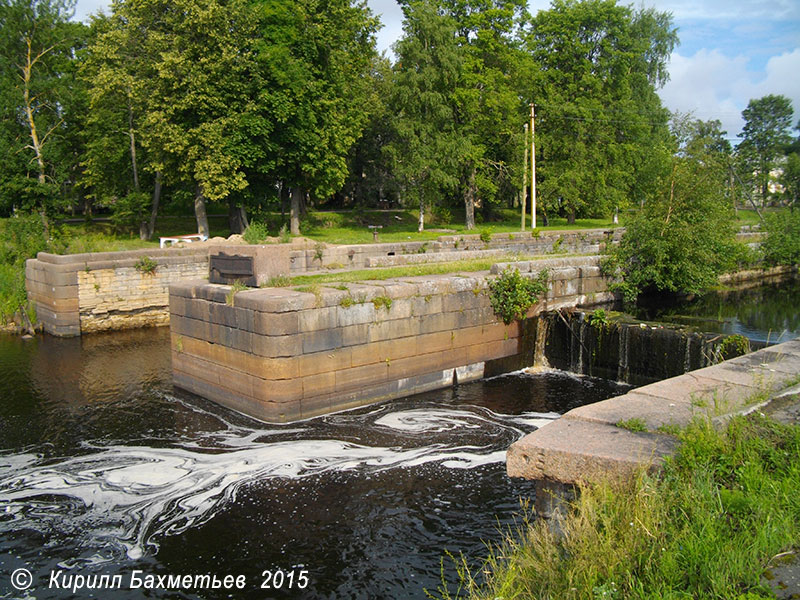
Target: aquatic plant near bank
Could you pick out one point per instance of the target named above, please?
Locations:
(707, 527)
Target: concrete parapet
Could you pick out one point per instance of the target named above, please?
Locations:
(587, 442)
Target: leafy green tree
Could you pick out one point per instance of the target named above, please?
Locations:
(790, 177)
(316, 58)
(684, 238)
(40, 102)
(600, 120)
(782, 245)
(427, 148)
(186, 81)
(764, 138)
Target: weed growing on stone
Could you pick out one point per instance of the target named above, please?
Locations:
(382, 302)
(146, 265)
(256, 233)
(236, 287)
(634, 424)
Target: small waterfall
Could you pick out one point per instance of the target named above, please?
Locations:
(539, 349)
(623, 368)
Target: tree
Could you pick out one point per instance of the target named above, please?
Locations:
(40, 102)
(427, 148)
(790, 178)
(684, 238)
(764, 137)
(317, 58)
(600, 120)
(188, 85)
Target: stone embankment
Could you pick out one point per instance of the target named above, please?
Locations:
(82, 293)
(281, 354)
(587, 443)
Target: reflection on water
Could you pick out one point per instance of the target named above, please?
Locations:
(104, 468)
(766, 314)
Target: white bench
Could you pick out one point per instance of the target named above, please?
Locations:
(192, 237)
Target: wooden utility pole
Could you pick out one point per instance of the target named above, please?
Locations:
(525, 180)
(533, 172)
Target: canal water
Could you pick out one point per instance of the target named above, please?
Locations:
(107, 470)
(767, 314)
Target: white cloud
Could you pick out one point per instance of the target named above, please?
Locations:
(714, 86)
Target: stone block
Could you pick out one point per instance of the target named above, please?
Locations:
(653, 411)
(572, 451)
(278, 391)
(437, 342)
(322, 384)
(277, 346)
(317, 319)
(222, 314)
(355, 335)
(438, 322)
(388, 330)
(283, 323)
(321, 340)
(361, 377)
(323, 362)
(356, 314)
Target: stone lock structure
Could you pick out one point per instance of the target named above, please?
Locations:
(282, 354)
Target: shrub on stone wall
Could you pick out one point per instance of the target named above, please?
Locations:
(511, 294)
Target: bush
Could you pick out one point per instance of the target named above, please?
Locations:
(511, 294)
(782, 245)
(22, 237)
(256, 233)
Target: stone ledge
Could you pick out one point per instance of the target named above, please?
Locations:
(586, 443)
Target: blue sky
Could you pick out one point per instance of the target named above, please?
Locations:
(731, 51)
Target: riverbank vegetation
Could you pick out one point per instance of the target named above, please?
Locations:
(709, 526)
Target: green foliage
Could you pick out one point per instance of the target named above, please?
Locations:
(236, 287)
(486, 237)
(22, 237)
(704, 528)
(279, 281)
(41, 104)
(511, 294)
(782, 245)
(635, 424)
(256, 232)
(382, 302)
(284, 236)
(597, 65)
(146, 265)
(733, 346)
(346, 302)
(319, 251)
(684, 238)
(599, 318)
(128, 212)
(764, 137)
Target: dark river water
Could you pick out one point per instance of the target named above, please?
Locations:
(106, 470)
(768, 314)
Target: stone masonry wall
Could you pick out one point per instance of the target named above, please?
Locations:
(280, 354)
(81, 293)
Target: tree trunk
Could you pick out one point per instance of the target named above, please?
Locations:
(284, 196)
(545, 220)
(36, 143)
(469, 200)
(571, 217)
(421, 226)
(294, 211)
(154, 210)
(615, 218)
(132, 135)
(237, 217)
(200, 211)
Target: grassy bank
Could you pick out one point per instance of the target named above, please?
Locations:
(724, 507)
